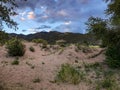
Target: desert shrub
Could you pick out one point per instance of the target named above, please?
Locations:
(41, 41)
(15, 47)
(31, 66)
(107, 83)
(44, 46)
(113, 57)
(15, 62)
(3, 86)
(69, 74)
(36, 80)
(31, 49)
(86, 43)
(3, 37)
(62, 43)
(83, 48)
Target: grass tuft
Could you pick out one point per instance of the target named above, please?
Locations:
(69, 74)
(31, 49)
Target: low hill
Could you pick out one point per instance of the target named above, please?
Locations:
(53, 36)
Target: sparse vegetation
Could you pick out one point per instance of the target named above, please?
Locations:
(31, 49)
(31, 66)
(3, 37)
(61, 43)
(3, 86)
(43, 63)
(15, 47)
(108, 83)
(42, 41)
(15, 62)
(86, 62)
(36, 80)
(84, 49)
(113, 57)
(69, 74)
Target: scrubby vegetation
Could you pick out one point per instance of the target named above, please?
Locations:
(36, 80)
(113, 57)
(85, 48)
(68, 74)
(15, 62)
(15, 47)
(107, 30)
(43, 42)
(3, 37)
(62, 43)
(32, 49)
(89, 70)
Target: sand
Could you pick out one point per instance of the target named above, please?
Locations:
(42, 64)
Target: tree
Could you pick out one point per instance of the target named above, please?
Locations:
(3, 37)
(98, 27)
(114, 11)
(108, 32)
(7, 9)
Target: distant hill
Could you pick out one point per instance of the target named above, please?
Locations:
(53, 36)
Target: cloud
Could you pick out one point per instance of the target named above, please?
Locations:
(24, 30)
(72, 13)
(33, 30)
(44, 17)
(67, 22)
(22, 19)
(22, 14)
(43, 27)
(73, 27)
(31, 15)
(62, 13)
(61, 10)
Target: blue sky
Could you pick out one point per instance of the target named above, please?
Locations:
(56, 15)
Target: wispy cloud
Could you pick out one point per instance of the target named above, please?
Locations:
(22, 19)
(31, 15)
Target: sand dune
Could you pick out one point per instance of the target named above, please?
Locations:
(42, 64)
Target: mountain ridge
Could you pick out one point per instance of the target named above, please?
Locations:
(53, 36)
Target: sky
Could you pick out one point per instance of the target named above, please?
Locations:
(56, 15)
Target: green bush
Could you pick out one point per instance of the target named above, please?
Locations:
(83, 48)
(3, 37)
(31, 49)
(69, 74)
(42, 41)
(113, 57)
(15, 47)
(15, 62)
(107, 83)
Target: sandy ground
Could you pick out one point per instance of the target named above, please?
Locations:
(43, 65)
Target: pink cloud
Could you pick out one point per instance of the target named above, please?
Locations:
(31, 15)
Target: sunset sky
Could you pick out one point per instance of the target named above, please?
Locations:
(56, 15)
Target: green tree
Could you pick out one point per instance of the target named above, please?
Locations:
(3, 37)
(114, 11)
(109, 32)
(98, 27)
(7, 9)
